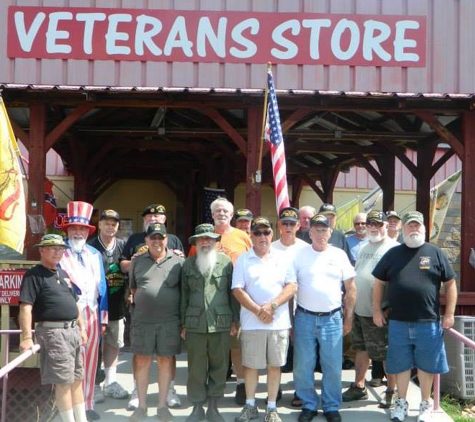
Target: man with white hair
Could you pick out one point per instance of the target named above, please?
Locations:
(305, 215)
(413, 273)
(84, 265)
(209, 314)
(369, 341)
(357, 240)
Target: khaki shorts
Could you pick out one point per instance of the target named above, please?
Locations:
(114, 335)
(162, 339)
(367, 336)
(60, 355)
(262, 348)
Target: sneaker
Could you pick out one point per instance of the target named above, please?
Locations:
(306, 415)
(425, 411)
(399, 413)
(134, 400)
(248, 412)
(98, 395)
(240, 397)
(115, 391)
(376, 382)
(138, 415)
(332, 416)
(172, 398)
(272, 416)
(388, 400)
(355, 393)
(92, 415)
(164, 415)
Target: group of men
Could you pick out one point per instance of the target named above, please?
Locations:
(238, 293)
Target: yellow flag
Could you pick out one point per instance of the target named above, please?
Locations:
(346, 214)
(12, 198)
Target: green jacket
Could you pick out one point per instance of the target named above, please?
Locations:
(208, 306)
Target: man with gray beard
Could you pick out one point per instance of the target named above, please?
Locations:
(413, 273)
(209, 315)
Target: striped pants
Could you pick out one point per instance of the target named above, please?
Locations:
(89, 354)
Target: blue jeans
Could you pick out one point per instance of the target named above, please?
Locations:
(327, 333)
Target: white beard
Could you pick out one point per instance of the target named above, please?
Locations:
(415, 240)
(206, 260)
(77, 244)
(375, 238)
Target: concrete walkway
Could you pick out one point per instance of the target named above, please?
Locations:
(366, 411)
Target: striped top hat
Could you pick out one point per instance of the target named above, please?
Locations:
(79, 214)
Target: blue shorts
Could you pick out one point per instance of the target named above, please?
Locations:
(416, 345)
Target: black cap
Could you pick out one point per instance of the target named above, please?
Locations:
(260, 221)
(375, 216)
(319, 219)
(327, 209)
(109, 214)
(157, 228)
(289, 214)
(154, 209)
(243, 214)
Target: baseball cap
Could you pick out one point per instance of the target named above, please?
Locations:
(413, 216)
(392, 213)
(375, 216)
(289, 214)
(154, 209)
(243, 214)
(319, 219)
(327, 209)
(109, 214)
(157, 228)
(260, 221)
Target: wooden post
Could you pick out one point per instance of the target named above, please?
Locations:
(253, 190)
(425, 156)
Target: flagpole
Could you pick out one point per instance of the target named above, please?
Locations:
(258, 177)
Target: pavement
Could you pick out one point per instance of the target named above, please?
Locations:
(113, 410)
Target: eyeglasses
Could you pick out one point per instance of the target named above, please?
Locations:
(320, 231)
(261, 232)
(360, 223)
(374, 224)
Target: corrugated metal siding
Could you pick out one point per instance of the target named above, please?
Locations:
(450, 54)
(359, 178)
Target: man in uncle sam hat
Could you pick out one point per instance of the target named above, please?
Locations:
(84, 265)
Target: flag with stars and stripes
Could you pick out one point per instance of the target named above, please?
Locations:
(210, 195)
(273, 135)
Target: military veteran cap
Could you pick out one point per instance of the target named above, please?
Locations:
(289, 214)
(393, 213)
(204, 230)
(157, 228)
(243, 214)
(260, 221)
(52, 240)
(413, 216)
(319, 219)
(109, 214)
(327, 209)
(154, 209)
(375, 216)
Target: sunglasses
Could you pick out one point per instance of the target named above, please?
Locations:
(360, 224)
(261, 232)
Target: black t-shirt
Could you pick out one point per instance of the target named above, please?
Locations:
(115, 278)
(50, 294)
(414, 277)
(137, 240)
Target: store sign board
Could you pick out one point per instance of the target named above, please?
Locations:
(10, 282)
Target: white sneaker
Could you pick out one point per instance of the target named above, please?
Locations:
(425, 411)
(115, 391)
(134, 400)
(98, 394)
(172, 398)
(399, 413)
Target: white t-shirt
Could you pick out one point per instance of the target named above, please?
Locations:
(263, 280)
(368, 256)
(319, 277)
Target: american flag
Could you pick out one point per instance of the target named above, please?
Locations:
(209, 196)
(273, 135)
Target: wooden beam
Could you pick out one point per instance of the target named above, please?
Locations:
(313, 185)
(370, 169)
(449, 137)
(293, 119)
(62, 127)
(441, 161)
(20, 134)
(213, 114)
(399, 153)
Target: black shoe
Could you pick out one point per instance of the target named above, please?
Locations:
(240, 394)
(332, 416)
(197, 414)
(306, 415)
(348, 364)
(279, 396)
(92, 415)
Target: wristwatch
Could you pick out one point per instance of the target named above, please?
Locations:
(274, 306)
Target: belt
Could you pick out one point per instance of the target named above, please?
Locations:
(58, 324)
(319, 313)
